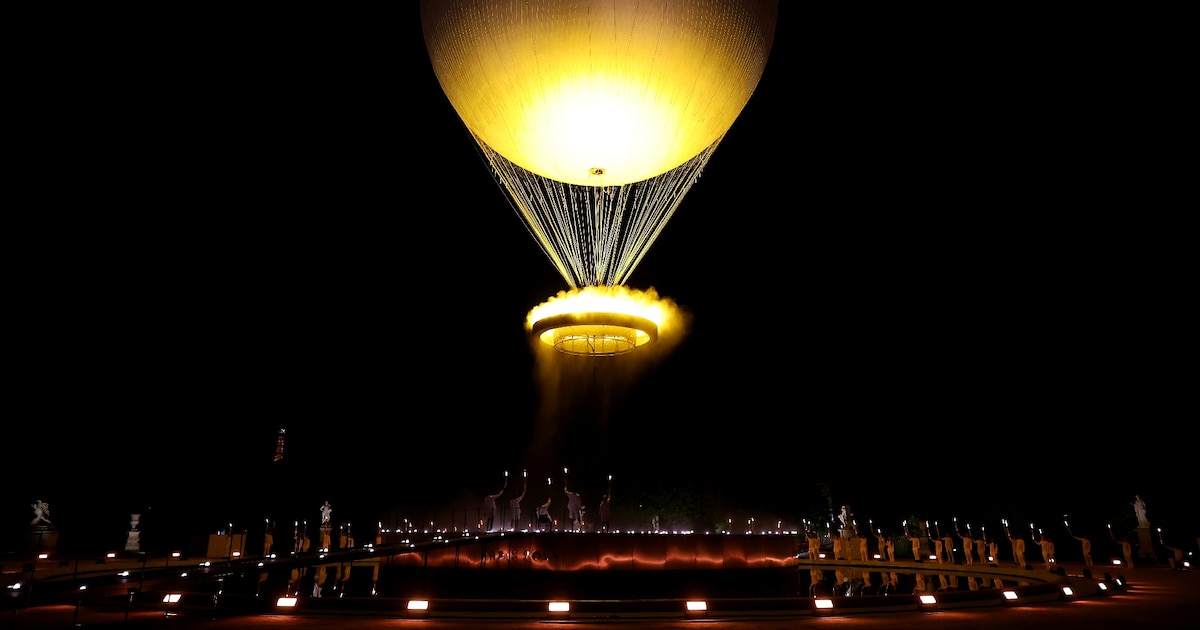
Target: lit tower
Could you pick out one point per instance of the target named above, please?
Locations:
(279, 445)
(596, 118)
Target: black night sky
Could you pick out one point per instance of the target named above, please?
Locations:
(932, 270)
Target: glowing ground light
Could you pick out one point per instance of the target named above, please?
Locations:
(599, 321)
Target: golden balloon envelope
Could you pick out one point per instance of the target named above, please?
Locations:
(598, 93)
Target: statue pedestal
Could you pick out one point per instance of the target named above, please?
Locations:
(42, 539)
(853, 548)
(1145, 542)
(224, 545)
(134, 541)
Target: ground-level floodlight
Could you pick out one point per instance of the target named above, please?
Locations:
(418, 608)
(559, 609)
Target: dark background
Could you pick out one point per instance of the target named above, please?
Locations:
(936, 269)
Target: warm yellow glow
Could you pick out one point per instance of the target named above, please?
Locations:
(601, 320)
(598, 93)
(595, 334)
(644, 304)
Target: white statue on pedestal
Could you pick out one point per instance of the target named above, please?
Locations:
(1139, 508)
(133, 542)
(41, 513)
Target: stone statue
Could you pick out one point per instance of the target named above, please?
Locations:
(1127, 551)
(814, 544)
(968, 542)
(326, 510)
(1139, 508)
(133, 542)
(41, 513)
(1086, 547)
(1018, 549)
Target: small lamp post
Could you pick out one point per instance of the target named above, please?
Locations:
(78, 601)
(33, 573)
(142, 577)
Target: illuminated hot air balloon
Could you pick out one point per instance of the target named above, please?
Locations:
(597, 117)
